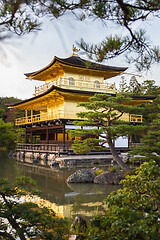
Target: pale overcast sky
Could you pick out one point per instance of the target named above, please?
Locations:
(36, 50)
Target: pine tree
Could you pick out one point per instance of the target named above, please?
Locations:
(134, 86)
(123, 85)
(149, 87)
(150, 142)
(104, 117)
(24, 16)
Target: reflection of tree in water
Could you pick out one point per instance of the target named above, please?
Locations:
(8, 167)
(90, 197)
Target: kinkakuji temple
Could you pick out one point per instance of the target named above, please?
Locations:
(66, 81)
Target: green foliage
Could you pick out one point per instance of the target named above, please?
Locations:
(22, 17)
(9, 136)
(123, 87)
(103, 116)
(9, 115)
(134, 43)
(131, 172)
(150, 145)
(98, 172)
(19, 135)
(134, 86)
(148, 87)
(17, 17)
(80, 147)
(150, 142)
(152, 110)
(133, 212)
(113, 169)
(21, 219)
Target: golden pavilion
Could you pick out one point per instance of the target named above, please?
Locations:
(53, 108)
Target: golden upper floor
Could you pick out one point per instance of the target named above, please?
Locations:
(77, 84)
(76, 73)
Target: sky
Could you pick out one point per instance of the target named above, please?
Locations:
(36, 50)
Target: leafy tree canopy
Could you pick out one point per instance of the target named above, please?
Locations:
(20, 17)
(132, 212)
(9, 136)
(9, 115)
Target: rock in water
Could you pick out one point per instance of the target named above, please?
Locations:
(109, 178)
(82, 176)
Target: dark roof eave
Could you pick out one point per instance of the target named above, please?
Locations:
(75, 91)
(58, 89)
(79, 63)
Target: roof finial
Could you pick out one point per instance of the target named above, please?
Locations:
(75, 50)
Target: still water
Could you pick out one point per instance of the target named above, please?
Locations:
(68, 199)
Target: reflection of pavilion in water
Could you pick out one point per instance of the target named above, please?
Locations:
(66, 200)
(60, 210)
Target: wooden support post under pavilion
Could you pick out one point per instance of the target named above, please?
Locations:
(31, 136)
(26, 114)
(31, 115)
(47, 135)
(64, 140)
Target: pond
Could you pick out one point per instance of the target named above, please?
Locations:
(67, 199)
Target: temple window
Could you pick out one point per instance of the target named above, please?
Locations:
(97, 84)
(71, 81)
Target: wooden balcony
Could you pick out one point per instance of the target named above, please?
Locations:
(135, 118)
(60, 114)
(70, 83)
(132, 118)
(44, 148)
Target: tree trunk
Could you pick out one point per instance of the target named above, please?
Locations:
(116, 157)
(16, 226)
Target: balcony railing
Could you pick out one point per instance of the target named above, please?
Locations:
(133, 118)
(45, 148)
(60, 114)
(70, 83)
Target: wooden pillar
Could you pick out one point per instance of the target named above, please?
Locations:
(64, 140)
(56, 135)
(26, 137)
(47, 136)
(26, 114)
(31, 115)
(31, 136)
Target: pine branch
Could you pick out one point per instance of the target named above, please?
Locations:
(6, 235)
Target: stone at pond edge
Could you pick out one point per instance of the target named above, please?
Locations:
(82, 176)
(109, 178)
